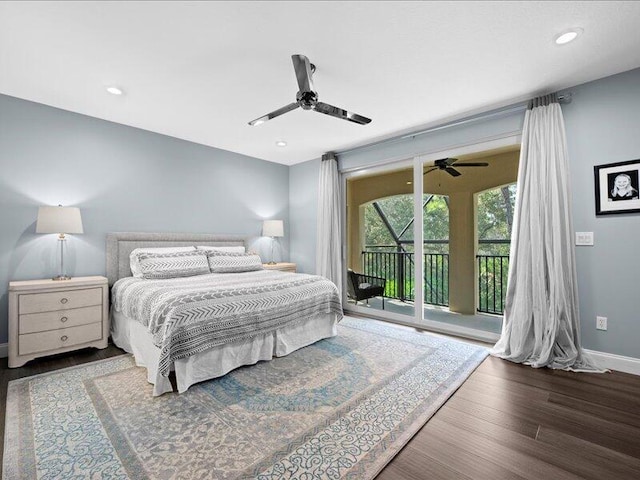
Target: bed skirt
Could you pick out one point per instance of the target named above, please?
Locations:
(134, 338)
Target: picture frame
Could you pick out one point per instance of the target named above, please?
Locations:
(617, 187)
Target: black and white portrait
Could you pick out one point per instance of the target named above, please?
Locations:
(617, 187)
(623, 185)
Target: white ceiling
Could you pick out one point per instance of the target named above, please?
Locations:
(201, 70)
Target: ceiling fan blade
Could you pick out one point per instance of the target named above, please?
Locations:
(274, 114)
(444, 162)
(302, 66)
(430, 170)
(341, 113)
(471, 164)
(452, 171)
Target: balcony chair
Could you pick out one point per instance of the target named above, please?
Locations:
(364, 287)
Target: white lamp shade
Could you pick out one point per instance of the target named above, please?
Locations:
(59, 220)
(273, 228)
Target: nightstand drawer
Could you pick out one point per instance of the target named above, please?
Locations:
(54, 301)
(42, 322)
(56, 339)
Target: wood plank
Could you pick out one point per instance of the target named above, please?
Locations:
(544, 460)
(606, 413)
(412, 465)
(473, 462)
(617, 436)
(618, 465)
(515, 423)
(462, 431)
(570, 384)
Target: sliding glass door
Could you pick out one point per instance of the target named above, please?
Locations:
(427, 242)
(380, 273)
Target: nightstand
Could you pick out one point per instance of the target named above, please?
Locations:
(48, 317)
(282, 266)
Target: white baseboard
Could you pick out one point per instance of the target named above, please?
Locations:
(4, 350)
(616, 362)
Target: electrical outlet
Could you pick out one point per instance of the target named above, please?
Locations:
(601, 323)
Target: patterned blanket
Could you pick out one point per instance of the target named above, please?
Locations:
(192, 314)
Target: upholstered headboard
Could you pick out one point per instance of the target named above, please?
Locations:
(120, 246)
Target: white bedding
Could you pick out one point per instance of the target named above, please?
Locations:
(189, 315)
(233, 319)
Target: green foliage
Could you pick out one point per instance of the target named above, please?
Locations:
(495, 218)
(399, 211)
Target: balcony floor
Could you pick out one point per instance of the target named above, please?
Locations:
(486, 323)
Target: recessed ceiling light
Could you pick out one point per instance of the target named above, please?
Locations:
(281, 143)
(115, 90)
(567, 36)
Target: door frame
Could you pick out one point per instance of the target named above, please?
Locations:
(418, 162)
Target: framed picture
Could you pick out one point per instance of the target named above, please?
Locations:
(617, 186)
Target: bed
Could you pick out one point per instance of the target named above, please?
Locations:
(204, 326)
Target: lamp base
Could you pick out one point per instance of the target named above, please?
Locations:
(61, 277)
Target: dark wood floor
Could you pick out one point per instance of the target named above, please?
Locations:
(507, 421)
(511, 421)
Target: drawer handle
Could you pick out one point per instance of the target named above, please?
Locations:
(64, 338)
(64, 319)
(64, 300)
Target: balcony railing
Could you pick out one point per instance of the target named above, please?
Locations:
(492, 283)
(398, 268)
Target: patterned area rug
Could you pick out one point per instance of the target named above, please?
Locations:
(341, 408)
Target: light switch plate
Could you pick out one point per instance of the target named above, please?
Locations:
(584, 239)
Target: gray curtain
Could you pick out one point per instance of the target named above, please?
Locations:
(541, 320)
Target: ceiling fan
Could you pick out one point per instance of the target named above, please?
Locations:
(447, 165)
(307, 97)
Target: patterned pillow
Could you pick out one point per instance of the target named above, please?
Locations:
(172, 265)
(133, 257)
(234, 249)
(229, 262)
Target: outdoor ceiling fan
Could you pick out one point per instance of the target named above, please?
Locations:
(447, 165)
(307, 97)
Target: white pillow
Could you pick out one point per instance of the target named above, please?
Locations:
(208, 248)
(135, 264)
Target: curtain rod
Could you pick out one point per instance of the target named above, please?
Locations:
(562, 98)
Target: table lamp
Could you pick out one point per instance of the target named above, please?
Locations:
(273, 229)
(60, 220)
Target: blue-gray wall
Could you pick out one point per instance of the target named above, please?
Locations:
(123, 179)
(603, 126)
(303, 214)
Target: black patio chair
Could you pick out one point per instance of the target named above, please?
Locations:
(364, 287)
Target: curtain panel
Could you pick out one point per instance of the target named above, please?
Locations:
(328, 241)
(541, 320)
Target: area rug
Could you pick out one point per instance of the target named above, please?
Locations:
(341, 408)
